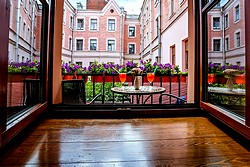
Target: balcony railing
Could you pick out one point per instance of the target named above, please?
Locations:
(96, 89)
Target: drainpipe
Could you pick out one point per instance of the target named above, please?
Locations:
(32, 31)
(17, 28)
(150, 28)
(223, 36)
(121, 39)
(72, 51)
(159, 31)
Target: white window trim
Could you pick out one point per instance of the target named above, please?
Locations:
(212, 23)
(71, 28)
(228, 21)
(28, 34)
(107, 44)
(234, 13)
(128, 47)
(213, 44)
(108, 24)
(64, 16)
(82, 44)
(135, 31)
(227, 36)
(24, 30)
(63, 39)
(84, 22)
(97, 29)
(96, 44)
(235, 39)
(71, 43)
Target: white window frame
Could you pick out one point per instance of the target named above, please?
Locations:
(135, 31)
(64, 16)
(213, 44)
(76, 44)
(235, 13)
(235, 38)
(227, 21)
(111, 18)
(132, 43)
(212, 21)
(24, 29)
(28, 34)
(63, 39)
(227, 37)
(114, 44)
(97, 24)
(70, 49)
(96, 43)
(77, 24)
(72, 22)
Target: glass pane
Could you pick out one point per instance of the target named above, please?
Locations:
(24, 58)
(226, 56)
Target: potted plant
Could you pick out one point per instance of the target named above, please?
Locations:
(68, 71)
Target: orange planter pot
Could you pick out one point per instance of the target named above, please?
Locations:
(68, 76)
(183, 78)
(99, 78)
(174, 78)
(211, 78)
(240, 79)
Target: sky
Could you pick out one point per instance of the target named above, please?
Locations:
(131, 6)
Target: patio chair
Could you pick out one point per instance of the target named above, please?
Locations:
(31, 94)
(179, 100)
(73, 92)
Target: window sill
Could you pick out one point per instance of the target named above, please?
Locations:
(236, 123)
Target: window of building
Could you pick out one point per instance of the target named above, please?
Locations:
(131, 31)
(25, 4)
(30, 9)
(172, 7)
(111, 24)
(70, 43)
(226, 43)
(71, 22)
(24, 27)
(237, 13)
(216, 22)
(226, 21)
(111, 45)
(131, 48)
(79, 63)
(216, 45)
(173, 59)
(93, 44)
(238, 63)
(80, 24)
(64, 16)
(28, 35)
(79, 44)
(93, 24)
(237, 37)
(23, 59)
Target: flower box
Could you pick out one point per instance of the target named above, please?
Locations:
(107, 78)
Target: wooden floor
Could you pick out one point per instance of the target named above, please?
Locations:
(191, 141)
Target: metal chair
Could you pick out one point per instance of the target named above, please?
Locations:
(73, 92)
(179, 100)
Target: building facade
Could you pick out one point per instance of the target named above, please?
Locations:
(25, 30)
(99, 31)
(164, 31)
(226, 35)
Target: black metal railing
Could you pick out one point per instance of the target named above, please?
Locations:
(95, 89)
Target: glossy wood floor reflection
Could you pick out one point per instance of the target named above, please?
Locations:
(192, 141)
